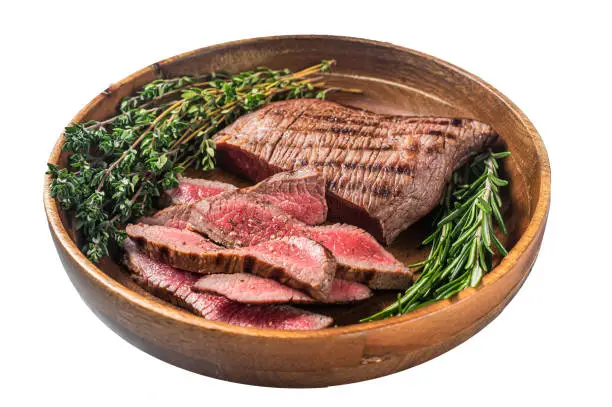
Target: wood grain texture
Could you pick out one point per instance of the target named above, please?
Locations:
(395, 80)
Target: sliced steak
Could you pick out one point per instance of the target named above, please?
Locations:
(298, 262)
(175, 286)
(175, 216)
(361, 257)
(382, 172)
(299, 193)
(251, 289)
(190, 190)
(235, 220)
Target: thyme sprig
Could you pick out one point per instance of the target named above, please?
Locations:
(463, 241)
(117, 167)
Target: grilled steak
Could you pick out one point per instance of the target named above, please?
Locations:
(251, 289)
(236, 220)
(298, 262)
(191, 190)
(382, 172)
(175, 286)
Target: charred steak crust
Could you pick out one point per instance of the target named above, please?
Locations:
(175, 286)
(294, 261)
(382, 172)
(183, 249)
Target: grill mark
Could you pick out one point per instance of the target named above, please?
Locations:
(340, 119)
(138, 240)
(359, 131)
(334, 129)
(278, 111)
(376, 123)
(378, 174)
(348, 176)
(260, 149)
(385, 147)
(249, 263)
(434, 148)
(163, 253)
(446, 135)
(381, 183)
(400, 169)
(342, 131)
(218, 260)
(276, 273)
(444, 139)
(423, 120)
(273, 149)
(278, 139)
(382, 191)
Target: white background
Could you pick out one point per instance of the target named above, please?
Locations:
(550, 345)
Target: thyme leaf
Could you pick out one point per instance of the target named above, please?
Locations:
(119, 166)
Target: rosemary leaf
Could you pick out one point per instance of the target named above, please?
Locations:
(463, 241)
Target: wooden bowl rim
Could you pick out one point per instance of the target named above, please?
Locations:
(169, 311)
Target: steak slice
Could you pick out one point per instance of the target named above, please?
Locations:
(299, 193)
(175, 286)
(298, 262)
(175, 216)
(190, 190)
(361, 257)
(382, 172)
(235, 220)
(251, 289)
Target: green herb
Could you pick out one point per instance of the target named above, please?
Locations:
(463, 241)
(118, 166)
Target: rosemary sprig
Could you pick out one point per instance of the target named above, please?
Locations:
(463, 241)
(118, 166)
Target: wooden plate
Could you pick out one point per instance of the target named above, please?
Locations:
(395, 80)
